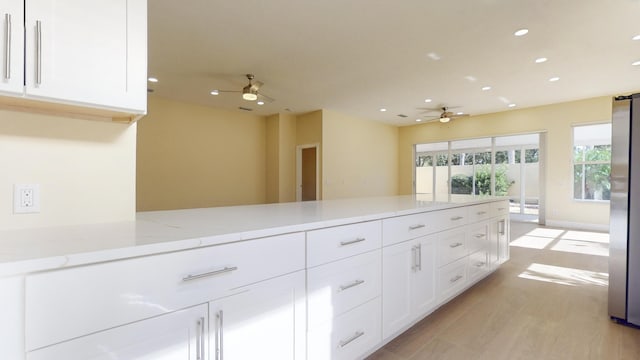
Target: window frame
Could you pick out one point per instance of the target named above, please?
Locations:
(584, 163)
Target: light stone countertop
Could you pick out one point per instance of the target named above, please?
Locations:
(153, 232)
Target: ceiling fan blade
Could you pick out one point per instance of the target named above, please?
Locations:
(266, 98)
(229, 91)
(458, 115)
(256, 85)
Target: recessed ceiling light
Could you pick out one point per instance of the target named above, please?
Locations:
(260, 102)
(512, 105)
(428, 100)
(418, 120)
(433, 56)
(554, 79)
(637, 37)
(636, 63)
(214, 92)
(383, 109)
(486, 88)
(541, 60)
(460, 113)
(471, 78)
(152, 79)
(521, 32)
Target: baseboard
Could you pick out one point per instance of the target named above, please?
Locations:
(577, 226)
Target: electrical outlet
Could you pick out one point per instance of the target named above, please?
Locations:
(26, 198)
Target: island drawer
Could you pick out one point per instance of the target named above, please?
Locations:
(68, 303)
(452, 245)
(339, 242)
(402, 228)
(335, 288)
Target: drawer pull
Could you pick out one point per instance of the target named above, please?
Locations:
(346, 342)
(502, 209)
(200, 339)
(345, 243)
(479, 236)
(456, 218)
(210, 273)
(38, 52)
(455, 278)
(7, 47)
(353, 284)
(415, 227)
(481, 212)
(455, 245)
(479, 264)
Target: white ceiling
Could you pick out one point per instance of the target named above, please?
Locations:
(358, 56)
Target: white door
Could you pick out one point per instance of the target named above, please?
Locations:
(12, 45)
(398, 268)
(178, 335)
(263, 321)
(77, 50)
(424, 278)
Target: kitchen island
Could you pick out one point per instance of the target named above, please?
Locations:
(311, 280)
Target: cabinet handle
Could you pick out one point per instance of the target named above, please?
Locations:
(414, 258)
(479, 236)
(346, 342)
(7, 46)
(481, 212)
(344, 243)
(456, 218)
(219, 335)
(415, 227)
(502, 209)
(353, 284)
(501, 226)
(479, 264)
(210, 273)
(456, 278)
(420, 257)
(38, 52)
(200, 340)
(455, 245)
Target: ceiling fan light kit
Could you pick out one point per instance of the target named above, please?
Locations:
(444, 119)
(249, 94)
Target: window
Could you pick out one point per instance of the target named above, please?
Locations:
(592, 162)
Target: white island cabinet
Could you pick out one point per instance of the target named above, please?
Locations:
(318, 280)
(74, 56)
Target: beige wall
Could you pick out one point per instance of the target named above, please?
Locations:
(281, 158)
(360, 157)
(85, 169)
(192, 156)
(556, 120)
(309, 132)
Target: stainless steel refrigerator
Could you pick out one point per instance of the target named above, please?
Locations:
(624, 246)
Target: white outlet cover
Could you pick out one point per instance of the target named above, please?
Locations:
(18, 208)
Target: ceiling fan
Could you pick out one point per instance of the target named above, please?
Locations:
(445, 115)
(250, 91)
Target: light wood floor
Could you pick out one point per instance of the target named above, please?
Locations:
(548, 302)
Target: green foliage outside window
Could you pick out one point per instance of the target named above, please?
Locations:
(463, 184)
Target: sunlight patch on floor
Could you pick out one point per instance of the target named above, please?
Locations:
(581, 247)
(564, 275)
(595, 237)
(532, 242)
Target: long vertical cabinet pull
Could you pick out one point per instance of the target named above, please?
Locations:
(7, 46)
(419, 250)
(219, 335)
(414, 260)
(38, 52)
(200, 340)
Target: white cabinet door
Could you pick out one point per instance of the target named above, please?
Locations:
(87, 52)
(424, 278)
(178, 335)
(503, 238)
(397, 274)
(263, 321)
(12, 42)
(408, 283)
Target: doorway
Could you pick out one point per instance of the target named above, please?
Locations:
(307, 173)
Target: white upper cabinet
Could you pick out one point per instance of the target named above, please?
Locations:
(75, 56)
(87, 52)
(12, 38)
